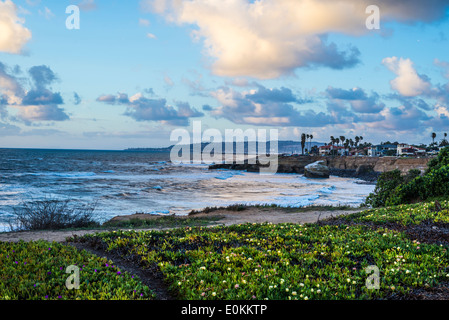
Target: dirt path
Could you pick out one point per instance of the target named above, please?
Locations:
(251, 215)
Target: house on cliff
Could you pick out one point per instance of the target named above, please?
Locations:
(382, 150)
(332, 150)
(404, 149)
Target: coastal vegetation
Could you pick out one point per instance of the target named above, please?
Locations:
(37, 271)
(392, 188)
(53, 214)
(326, 260)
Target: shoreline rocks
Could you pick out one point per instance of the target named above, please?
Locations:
(317, 170)
(364, 168)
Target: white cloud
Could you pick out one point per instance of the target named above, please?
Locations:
(151, 36)
(87, 5)
(144, 22)
(408, 83)
(270, 38)
(47, 13)
(444, 65)
(13, 35)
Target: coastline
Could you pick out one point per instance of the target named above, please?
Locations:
(367, 169)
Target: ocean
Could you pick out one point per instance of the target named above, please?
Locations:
(128, 182)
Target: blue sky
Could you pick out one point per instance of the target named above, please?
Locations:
(136, 70)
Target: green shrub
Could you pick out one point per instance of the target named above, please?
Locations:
(386, 183)
(441, 160)
(434, 184)
(392, 188)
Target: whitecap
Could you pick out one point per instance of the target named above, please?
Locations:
(327, 190)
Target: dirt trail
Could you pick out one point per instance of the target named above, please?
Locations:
(251, 215)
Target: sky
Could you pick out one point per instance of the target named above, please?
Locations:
(134, 71)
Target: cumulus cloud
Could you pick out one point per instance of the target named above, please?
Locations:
(76, 98)
(358, 99)
(9, 86)
(267, 107)
(13, 35)
(444, 65)
(39, 103)
(141, 108)
(270, 38)
(408, 82)
(401, 118)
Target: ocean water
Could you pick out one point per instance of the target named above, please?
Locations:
(126, 182)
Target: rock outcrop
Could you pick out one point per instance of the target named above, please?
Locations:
(365, 168)
(317, 169)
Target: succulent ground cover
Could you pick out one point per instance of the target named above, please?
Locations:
(37, 271)
(290, 261)
(407, 244)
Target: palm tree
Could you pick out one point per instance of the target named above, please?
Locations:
(307, 141)
(351, 143)
(310, 146)
(342, 139)
(444, 142)
(337, 141)
(357, 140)
(433, 135)
(332, 140)
(303, 142)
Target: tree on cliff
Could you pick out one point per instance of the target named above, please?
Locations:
(303, 142)
(433, 135)
(310, 146)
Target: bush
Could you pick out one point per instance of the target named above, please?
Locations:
(386, 183)
(393, 189)
(433, 184)
(441, 160)
(52, 215)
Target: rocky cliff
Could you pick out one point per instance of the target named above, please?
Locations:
(367, 168)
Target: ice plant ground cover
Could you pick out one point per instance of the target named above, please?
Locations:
(327, 260)
(290, 261)
(405, 214)
(37, 271)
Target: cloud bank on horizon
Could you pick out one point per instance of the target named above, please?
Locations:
(252, 55)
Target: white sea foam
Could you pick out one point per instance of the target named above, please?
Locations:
(327, 190)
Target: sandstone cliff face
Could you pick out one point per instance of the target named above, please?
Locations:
(378, 164)
(364, 167)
